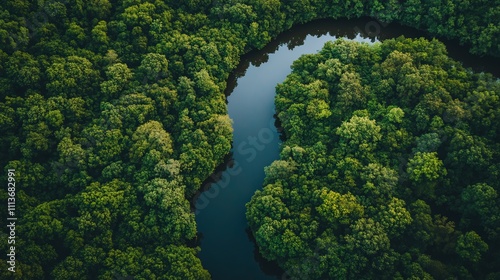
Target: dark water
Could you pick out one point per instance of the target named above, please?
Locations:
(228, 251)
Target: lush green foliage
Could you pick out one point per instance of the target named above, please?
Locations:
(387, 171)
(113, 113)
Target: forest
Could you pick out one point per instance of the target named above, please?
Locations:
(389, 169)
(113, 113)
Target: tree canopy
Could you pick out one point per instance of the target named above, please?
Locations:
(397, 182)
(113, 114)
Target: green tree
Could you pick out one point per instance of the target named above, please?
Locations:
(71, 77)
(359, 134)
(351, 93)
(479, 206)
(118, 75)
(339, 209)
(470, 246)
(173, 216)
(153, 67)
(100, 34)
(368, 236)
(425, 166)
(279, 169)
(148, 138)
(380, 180)
(23, 69)
(424, 170)
(394, 217)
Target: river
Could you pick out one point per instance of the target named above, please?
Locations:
(227, 248)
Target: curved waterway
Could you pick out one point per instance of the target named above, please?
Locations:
(227, 248)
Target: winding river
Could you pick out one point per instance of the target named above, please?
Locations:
(227, 248)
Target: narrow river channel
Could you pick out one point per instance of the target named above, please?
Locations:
(227, 250)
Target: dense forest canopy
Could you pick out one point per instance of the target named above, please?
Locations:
(113, 113)
(389, 169)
